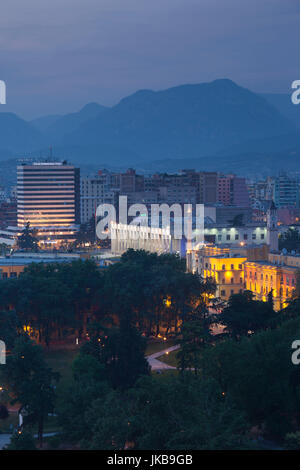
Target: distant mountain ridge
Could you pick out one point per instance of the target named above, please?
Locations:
(189, 120)
(209, 122)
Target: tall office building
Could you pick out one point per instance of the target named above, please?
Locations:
(232, 190)
(95, 190)
(286, 191)
(48, 195)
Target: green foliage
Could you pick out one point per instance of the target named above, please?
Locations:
(10, 326)
(54, 442)
(89, 383)
(166, 414)
(258, 374)
(292, 441)
(27, 240)
(244, 316)
(21, 441)
(290, 240)
(194, 336)
(3, 411)
(30, 381)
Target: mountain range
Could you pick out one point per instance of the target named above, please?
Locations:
(207, 125)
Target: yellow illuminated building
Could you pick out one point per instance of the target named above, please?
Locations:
(263, 276)
(228, 273)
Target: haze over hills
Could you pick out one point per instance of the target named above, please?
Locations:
(43, 123)
(185, 121)
(211, 124)
(17, 135)
(283, 103)
(71, 122)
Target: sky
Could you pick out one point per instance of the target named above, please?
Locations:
(58, 55)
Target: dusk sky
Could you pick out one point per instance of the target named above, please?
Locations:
(57, 56)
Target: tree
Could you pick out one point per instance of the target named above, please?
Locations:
(27, 240)
(3, 411)
(194, 336)
(244, 316)
(87, 233)
(259, 376)
(122, 351)
(30, 382)
(21, 440)
(166, 414)
(89, 383)
(290, 240)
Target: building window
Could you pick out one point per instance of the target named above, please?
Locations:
(232, 280)
(253, 236)
(219, 237)
(232, 292)
(245, 236)
(236, 236)
(228, 236)
(223, 267)
(240, 266)
(262, 236)
(13, 274)
(222, 293)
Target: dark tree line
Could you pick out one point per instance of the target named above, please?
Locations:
(58, 300)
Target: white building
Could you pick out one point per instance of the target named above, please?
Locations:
(94, 190)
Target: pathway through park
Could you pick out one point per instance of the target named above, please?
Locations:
(155, 364)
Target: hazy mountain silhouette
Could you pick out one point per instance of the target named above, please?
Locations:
(185, 121)
(216, 121)
(43, 123)
(283, 103)
(17, 135)
(70, 122)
